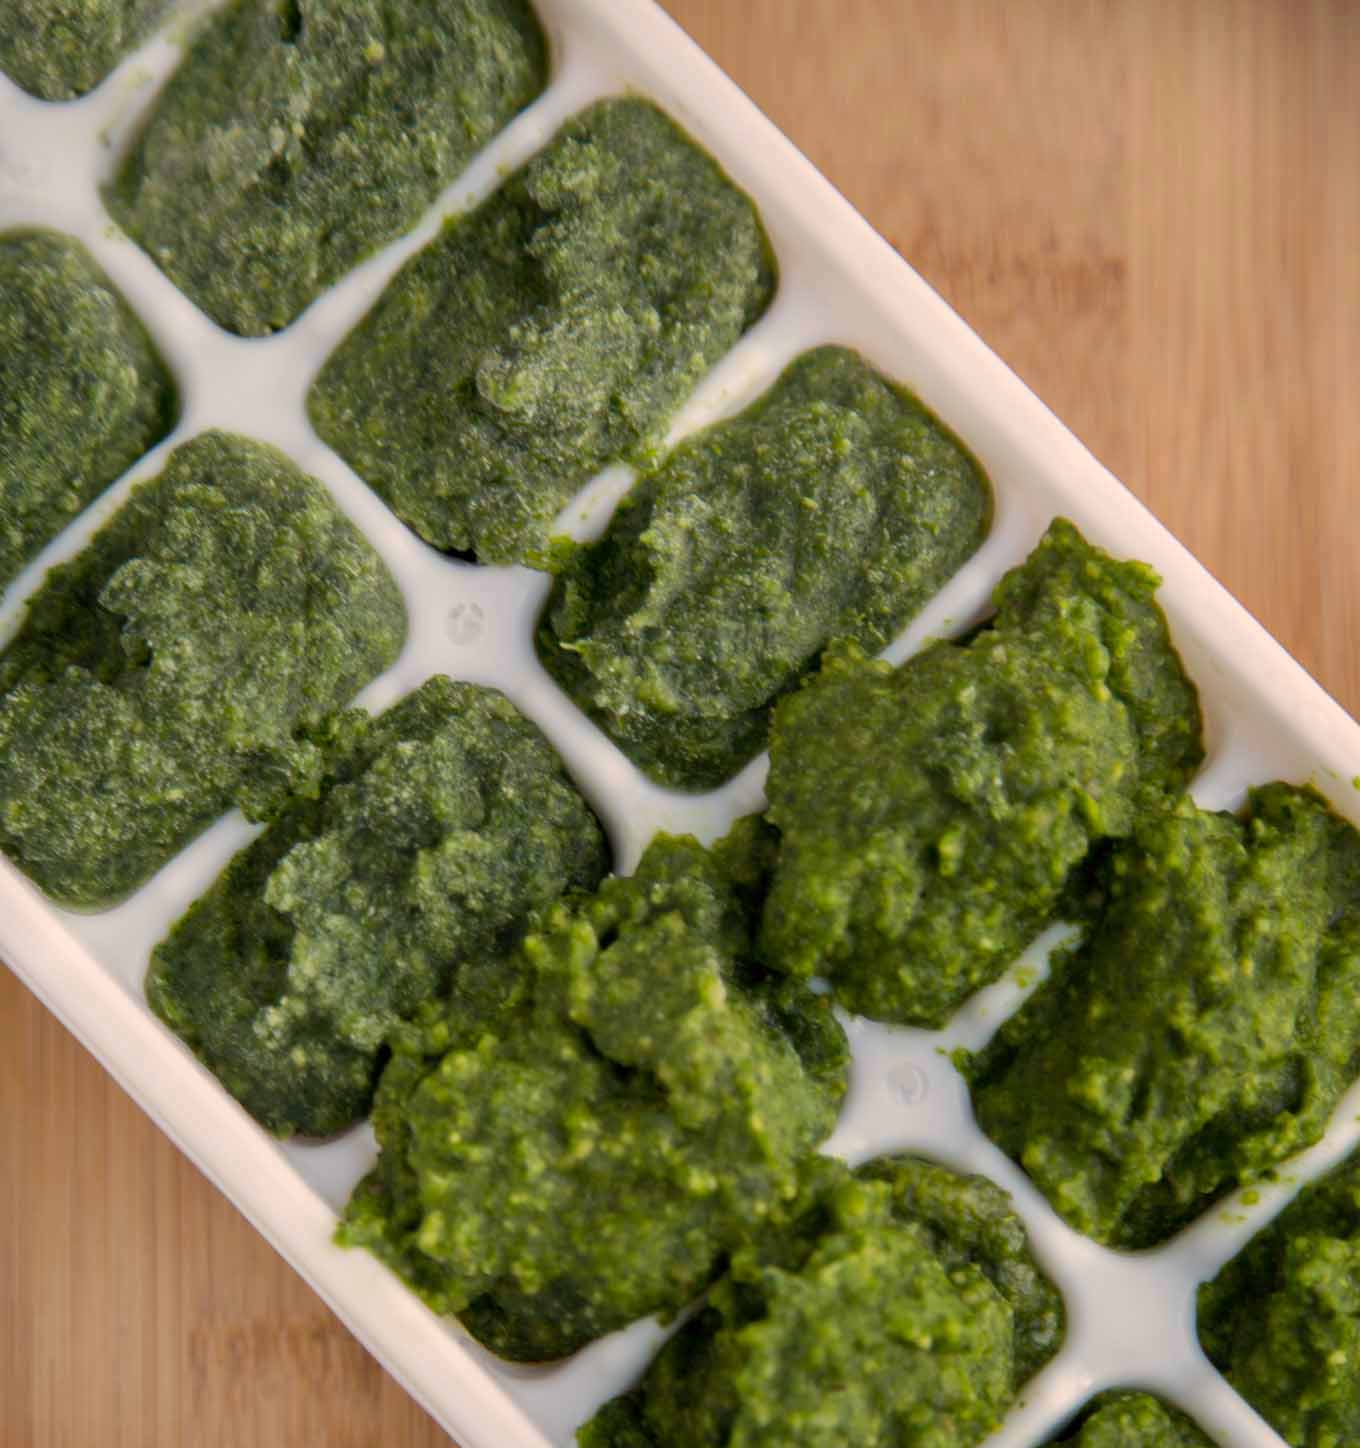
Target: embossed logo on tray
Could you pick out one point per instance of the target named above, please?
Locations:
(465, 623)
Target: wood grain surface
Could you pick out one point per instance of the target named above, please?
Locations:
(1151, 209)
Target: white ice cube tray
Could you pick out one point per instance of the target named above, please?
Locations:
(1130, 1317)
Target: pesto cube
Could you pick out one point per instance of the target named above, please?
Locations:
(1124, 1419)
(1202, 1032)
(1282, 1319)
(932, 816)
(588, 1127)
(901, 1305)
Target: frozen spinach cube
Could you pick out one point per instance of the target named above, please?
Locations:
(299, 136)
(59, 49)
(82, 392)
(835, 506)
(554, 329)
(175, 664)
(437, 828)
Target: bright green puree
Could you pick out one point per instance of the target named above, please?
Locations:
(590, 1126)
(931, 816)
(1204, 1031)
(1132, 1420)
(900, 1309)
(1282, 1320)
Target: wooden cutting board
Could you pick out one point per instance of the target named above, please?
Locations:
(1151, 209)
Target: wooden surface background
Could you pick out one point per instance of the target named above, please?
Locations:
(1151, 209)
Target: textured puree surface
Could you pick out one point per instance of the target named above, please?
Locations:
(437, 828)
(59, 49)
(1145, 207)
(1282, 1320)
(901, 1309)
(173, 665)
(554, 329)
(1133, 1420)
(834, 506)
(1202, 1033)
(82, 392)
(300, 135)
(931, 815)
(586, 1130)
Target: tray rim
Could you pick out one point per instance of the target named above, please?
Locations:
(206, 1125)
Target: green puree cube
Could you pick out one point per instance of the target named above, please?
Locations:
(931, 816)
(1133, 1420)
(59, 49)
(172, 666)
(1203, 1032)
(554, 329)
(902, 1306)
(82, 392)
(437, 828)
(593, 1123)
(835, 506)
(1282, 1319)
(298, 136)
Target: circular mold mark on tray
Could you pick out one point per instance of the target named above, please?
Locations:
(909, 1084)
(19, 172)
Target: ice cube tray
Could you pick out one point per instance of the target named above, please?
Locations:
(1130, 1317)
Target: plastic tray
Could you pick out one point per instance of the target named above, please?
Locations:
(1130, 1316)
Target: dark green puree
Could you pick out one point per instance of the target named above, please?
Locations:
(1202, 1033)
(1133, 1420)
(436, 829)
(931, 816)
(554, 329)
(598, 1099)
(59, 49)
(175, 664)
(298, 136)
(82, 393)
(590, 1125)
(835, 506)
(1282, 1320)
(901, 1306)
